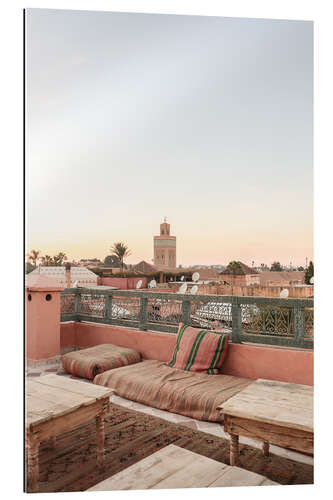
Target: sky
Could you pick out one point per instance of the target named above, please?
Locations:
(204, 120)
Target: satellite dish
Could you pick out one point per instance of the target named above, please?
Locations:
(152, 284)
(312, 280)
(182, 278)
(183, 288)
(194, 289)
(76, 284)
(195, 276)
(139, 283)
(284, 293)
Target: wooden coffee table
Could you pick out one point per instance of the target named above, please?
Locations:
(54, 405)
(175, 467)
(273, 412)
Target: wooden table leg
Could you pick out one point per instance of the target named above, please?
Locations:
(32, 448)
(265, 448)
(234, 449)
(100, 439)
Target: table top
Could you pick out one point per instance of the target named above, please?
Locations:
(279, 403)
(175, 467)
(52, 396)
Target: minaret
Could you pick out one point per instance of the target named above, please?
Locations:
(165, 247)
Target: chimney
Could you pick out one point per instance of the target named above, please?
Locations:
(68, 274)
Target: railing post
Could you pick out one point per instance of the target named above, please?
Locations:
(108, 307)
(77, 306)
(236, 313)
(143, 313)
(186, 310)
(299, 324)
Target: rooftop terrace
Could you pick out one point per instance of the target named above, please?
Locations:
(270, 338)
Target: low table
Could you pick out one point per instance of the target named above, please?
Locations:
(273, 412)
(175, 467)
(56, 404)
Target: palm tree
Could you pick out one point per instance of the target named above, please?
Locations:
(121, 251)
(58, 260)
(47, 260)
(34, 256)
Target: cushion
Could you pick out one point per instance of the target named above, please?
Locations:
(193, 394)
(199, 350)
(87, 363)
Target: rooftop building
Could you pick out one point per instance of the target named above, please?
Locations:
(82, 275)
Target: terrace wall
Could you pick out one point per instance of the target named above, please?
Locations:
(243, 360)
(122, 283)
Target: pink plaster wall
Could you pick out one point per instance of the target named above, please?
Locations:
(68, 335)
(251, 361)
(123, 283)
(272, 363)
(42, 325)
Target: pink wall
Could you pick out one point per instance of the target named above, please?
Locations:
(251, 361)
(123, 283)
(68, 336)
(42, 325)
(272, 363)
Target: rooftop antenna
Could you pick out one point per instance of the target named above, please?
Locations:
(194, 289)
(195, 276)
(138, 285)
(183, 288)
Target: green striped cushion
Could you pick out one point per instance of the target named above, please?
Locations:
(199, 350)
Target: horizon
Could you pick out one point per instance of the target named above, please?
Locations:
(207, 119)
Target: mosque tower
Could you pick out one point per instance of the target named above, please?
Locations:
(165, 247)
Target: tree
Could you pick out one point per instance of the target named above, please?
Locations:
(121, 251)
(29, 267)
(56, 260)
(112, 261)
(34, 257)
(234, 267)
(309, 272)
(276, 266)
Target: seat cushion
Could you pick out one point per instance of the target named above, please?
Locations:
(199, 350)
(193, 394)
(87, 363)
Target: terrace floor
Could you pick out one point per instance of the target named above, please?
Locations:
(209, 428)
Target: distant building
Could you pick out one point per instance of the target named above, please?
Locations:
(90, 262)
(82, 275)
(245, 276)
(165, 247)
(281, 278)
(144, 267)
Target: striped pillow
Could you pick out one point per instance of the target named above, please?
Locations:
(199, 350)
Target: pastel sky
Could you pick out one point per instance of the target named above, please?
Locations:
(205, 120)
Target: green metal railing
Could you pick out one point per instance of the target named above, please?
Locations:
(274, 321)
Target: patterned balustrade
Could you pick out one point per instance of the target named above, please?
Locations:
(274, 321)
